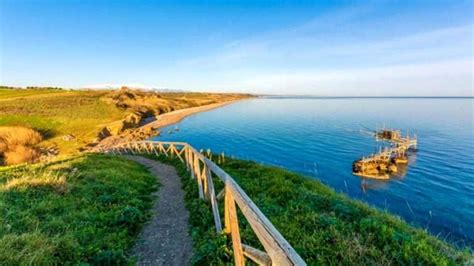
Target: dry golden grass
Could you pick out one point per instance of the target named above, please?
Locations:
(155, 103)
(16, 145)
(3, 147)
(33, 179)
(17, 154)
(15, 135)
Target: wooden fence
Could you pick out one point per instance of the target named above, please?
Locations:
(277, 250)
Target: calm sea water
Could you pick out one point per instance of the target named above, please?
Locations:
(321, 138)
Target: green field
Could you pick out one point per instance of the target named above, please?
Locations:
(323, 226)
(13, 93)
(88, 209)
(58, 113)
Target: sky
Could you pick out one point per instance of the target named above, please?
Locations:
(322, 48)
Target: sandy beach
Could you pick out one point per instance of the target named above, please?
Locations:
(152, 128)
(174, 117)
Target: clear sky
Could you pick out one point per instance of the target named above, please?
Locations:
(282, 47)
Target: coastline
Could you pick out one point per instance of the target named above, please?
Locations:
(152, 128)
(177, 116)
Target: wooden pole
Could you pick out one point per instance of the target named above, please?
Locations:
(162, 149)
(197, 171)
(178, 154)
(221, 194)
(204, 181)
(148, 147)
(215, 208)
(277, 247)
(258, 256)
(156, 152)
(191, 163)
(186, 157)
(232, 226)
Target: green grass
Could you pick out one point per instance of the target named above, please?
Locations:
(80, 113)
(84, 113)
(323, 226)
(209, 247)
(11, 93)
(86, 210)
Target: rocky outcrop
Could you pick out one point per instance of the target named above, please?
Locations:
(104, 133)
(131, 121)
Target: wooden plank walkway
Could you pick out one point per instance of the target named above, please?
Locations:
(165, 239)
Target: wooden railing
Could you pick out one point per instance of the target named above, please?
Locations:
(277, 250)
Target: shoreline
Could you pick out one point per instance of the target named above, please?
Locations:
(177, 116)
(152, 128)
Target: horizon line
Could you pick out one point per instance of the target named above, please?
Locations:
(256, 94)
(359, 96)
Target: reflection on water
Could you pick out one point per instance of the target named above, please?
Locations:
(321, 138)
(367, 183)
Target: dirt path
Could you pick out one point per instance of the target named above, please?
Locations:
(165, 239)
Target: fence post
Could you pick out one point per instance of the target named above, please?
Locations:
(215, 209)
(197, 172)
(186, 156)
(232, 227)
(191, 163)
(204, 181)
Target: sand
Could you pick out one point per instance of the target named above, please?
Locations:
(150, 129)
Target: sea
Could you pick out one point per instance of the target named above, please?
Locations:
(321, 137)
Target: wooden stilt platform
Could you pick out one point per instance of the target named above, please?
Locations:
(386, 161)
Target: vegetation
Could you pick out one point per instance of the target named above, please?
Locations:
(10, 92)
(89, 208)
(17, 145)
(323, 226)
(54, 115)
(69, 120)
(85, 210)
(209, 247)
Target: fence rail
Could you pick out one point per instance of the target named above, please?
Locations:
(277, 250)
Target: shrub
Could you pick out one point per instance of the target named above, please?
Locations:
(20, 154)
(3, 147)
(16, 144)
(13, 135)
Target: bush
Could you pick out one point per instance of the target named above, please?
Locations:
(3, 147)
(13, 135)
(16, 145)
(20, 154)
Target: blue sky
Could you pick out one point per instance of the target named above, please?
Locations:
(282, 47)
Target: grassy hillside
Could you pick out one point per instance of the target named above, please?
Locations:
(87, 209)
(59, 114)
(324, 227)
(9, 93)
